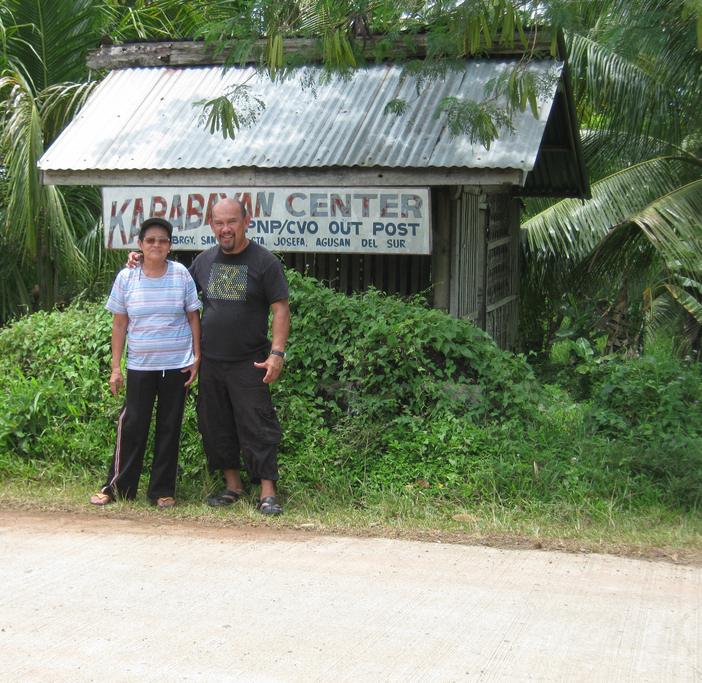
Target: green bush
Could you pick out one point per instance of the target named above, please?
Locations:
(651, 397)
(381, 394)
(652, 406)
(53, 368)
(378, 355)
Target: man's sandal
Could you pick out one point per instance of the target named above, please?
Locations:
(227, 497)
(166, 502)
(269, 506)
(101, 499)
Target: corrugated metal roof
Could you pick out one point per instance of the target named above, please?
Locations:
(144, 118)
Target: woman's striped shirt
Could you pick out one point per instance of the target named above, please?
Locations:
(158, 335)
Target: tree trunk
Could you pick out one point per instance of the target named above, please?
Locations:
(616, 320)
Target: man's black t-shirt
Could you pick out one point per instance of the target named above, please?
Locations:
(237, 292)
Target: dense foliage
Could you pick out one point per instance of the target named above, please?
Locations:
(627, 261)
(380, 393)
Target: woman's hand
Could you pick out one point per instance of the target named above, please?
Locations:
(192, 369)
(116, 381)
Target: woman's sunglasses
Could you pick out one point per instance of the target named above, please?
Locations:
(153, 240)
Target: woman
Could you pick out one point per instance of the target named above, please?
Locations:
(157, 307)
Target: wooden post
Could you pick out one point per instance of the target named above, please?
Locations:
(441, 255)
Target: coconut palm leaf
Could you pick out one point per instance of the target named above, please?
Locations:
(609, 151)
(692, 323)
(165, 19)
(667, 234)
(86, 206)
(665, 317)
(689, 283)
(52, 37)
(573, 228)
(21, 146)
(36, 214)
(15, 298)
(673, 224)
(58, 105)
(637, 72)
(627, 96)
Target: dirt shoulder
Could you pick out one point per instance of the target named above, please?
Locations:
(143, 521)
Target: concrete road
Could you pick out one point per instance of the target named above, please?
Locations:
(98, 599)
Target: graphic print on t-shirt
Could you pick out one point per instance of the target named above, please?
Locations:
(227, 282)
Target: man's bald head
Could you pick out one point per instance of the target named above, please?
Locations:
(229, 223)
(229, 203)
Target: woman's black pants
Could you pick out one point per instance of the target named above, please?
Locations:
(143, 387)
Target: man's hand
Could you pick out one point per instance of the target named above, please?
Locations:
(192, 369)
(133, 259)
(273, 365)
(116, 381)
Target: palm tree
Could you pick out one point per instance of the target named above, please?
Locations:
(54, 233)
(636, 70)
(42, 64)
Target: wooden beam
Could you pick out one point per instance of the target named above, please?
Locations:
(179, 53)
(441, 253)
(501, 302)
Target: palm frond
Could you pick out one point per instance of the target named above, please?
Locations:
(59, 104)
(15, 298)
(36, 216)
(21, 144)
(666, 318)
(572, 228)
(165, 19)
(687, 301)
(608, 151)
(671, 226)
(626, 95)
(59, 235)
(690, 326)
(52, 38)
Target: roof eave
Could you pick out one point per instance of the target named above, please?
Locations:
(298, 177)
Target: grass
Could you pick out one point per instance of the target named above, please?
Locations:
(653, 533)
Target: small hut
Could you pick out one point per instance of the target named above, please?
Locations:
(344, 190)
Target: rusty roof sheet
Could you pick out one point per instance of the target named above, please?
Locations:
(145, 118)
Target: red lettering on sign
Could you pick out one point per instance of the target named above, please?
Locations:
(137, 217)
(336, 203)
(365, 203)
(264, 205)
(116, 220)
(214, 198)
(162, 208)
(176, 215)
(196, 205)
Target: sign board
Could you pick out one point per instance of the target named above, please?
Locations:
(351, 220)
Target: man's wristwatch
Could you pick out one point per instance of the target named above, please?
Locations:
(282, 354)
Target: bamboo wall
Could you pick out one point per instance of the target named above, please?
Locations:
(350, 273)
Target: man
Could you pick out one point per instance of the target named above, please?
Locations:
(240, 282)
